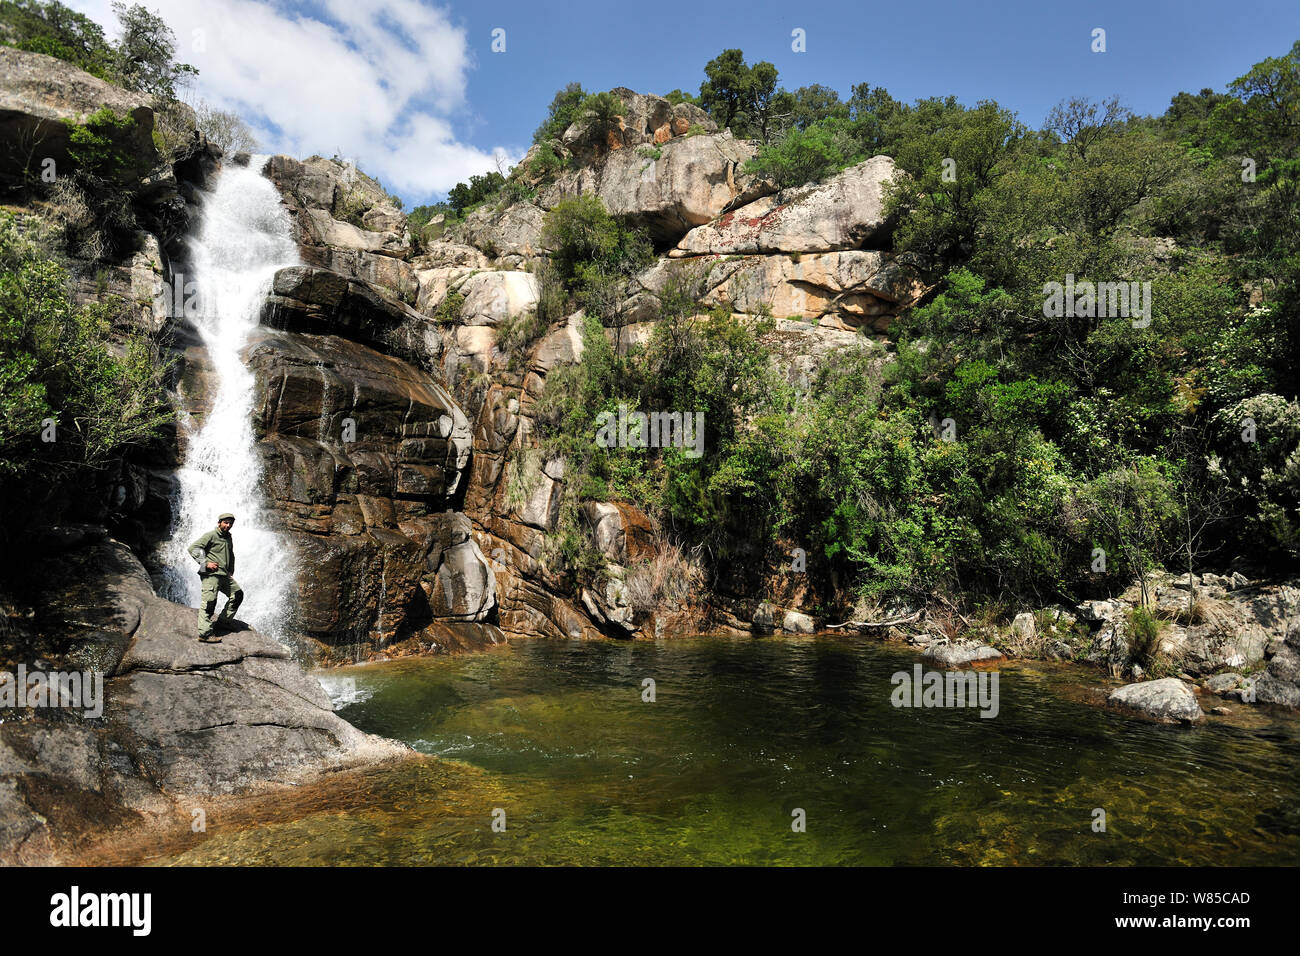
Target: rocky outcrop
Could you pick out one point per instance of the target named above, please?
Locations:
(668, 189)
(645, 119)
(492, 297)
(845, 212)
(345, 222)
(1170, 700)
(513, 234)
(320, 301)
(1227, 623)
(622, 532)
(842, 290)
(180, 718)
(366, 457)
(38, 93)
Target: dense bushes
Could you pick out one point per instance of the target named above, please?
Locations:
(1004, 450)
(465, 195)
(68, 398)
(143, 59)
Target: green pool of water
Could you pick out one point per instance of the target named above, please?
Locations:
(743, 733)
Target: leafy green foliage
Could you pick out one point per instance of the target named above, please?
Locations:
(741, 97)
(58, 365)
(51, 28)
(565, 108)
(593, 254)
(805, 155)
(464, 196)
(143, 58)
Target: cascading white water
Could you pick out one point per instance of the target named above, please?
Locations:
(244, 236)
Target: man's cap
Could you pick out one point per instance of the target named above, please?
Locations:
(225, 516)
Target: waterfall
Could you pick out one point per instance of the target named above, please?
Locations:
(244, 236)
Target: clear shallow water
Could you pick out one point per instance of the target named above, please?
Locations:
(745, 731)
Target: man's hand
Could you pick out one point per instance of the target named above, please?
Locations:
(212, 565)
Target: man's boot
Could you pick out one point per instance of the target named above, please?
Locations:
(205, 626)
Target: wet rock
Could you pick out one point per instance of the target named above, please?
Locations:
(323, 301)
(622, 532)
(366, 458)
(1222, 683)
(181, 718)
(345, 222)
(1060, 650)
(1269, 689)
(961, 654)
(796, 622)
(1168, 699)
(464, 587)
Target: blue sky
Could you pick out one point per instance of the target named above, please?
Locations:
(413, 91)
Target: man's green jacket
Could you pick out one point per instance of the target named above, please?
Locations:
(215, 546)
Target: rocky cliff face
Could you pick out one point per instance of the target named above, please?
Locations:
(439, 514)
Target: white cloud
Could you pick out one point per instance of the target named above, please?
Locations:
(377, 81)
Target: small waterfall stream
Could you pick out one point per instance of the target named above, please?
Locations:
(244, 237)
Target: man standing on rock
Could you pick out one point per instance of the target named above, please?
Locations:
(215, 553)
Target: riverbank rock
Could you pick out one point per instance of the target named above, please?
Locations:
(1168, 699)
(961, 654)
(1208, 623)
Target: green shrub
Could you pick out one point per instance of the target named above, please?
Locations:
(565, 108)
(588, 243)
(448, 311)
(58, 364)
(97, 147)
(516, 333)
(1144, 635)
(55, 30)
(545, 164)
(464, 196)
(804, 155)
